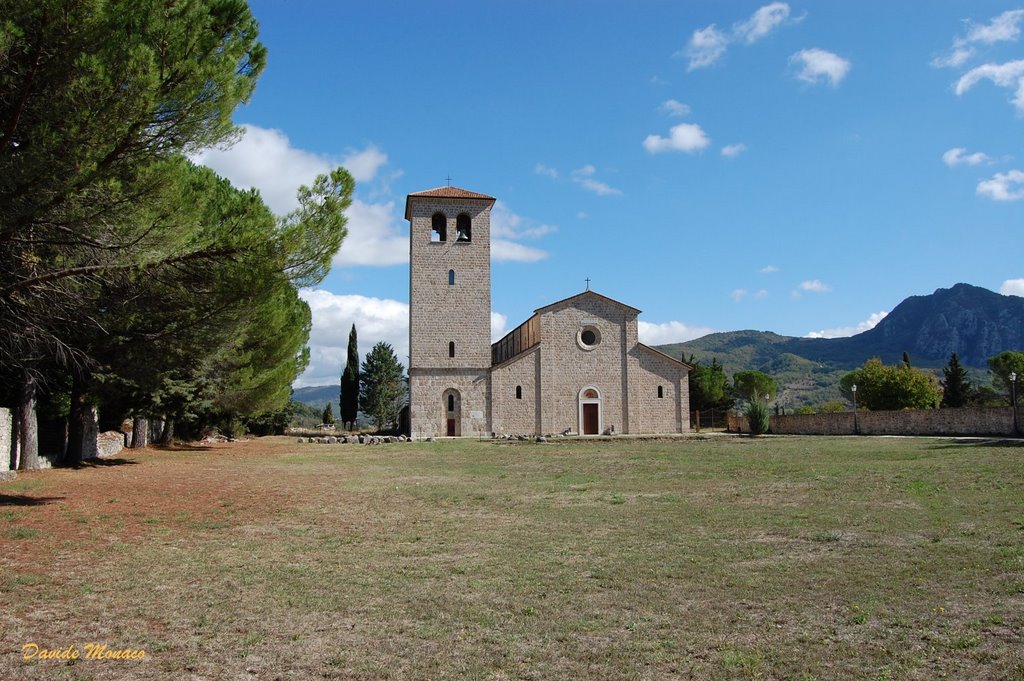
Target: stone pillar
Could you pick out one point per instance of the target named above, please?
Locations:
(90, 431)
(6, 452)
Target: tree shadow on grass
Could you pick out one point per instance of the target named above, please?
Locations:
(99, 463)
(183, 448)
(22, 500)
(980, 442)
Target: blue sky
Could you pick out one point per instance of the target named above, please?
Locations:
(796, 167)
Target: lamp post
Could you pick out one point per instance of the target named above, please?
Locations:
(1013, 400)
(856, 430)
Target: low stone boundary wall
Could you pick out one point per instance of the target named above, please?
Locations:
(965, 421)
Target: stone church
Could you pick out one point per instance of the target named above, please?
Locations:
(574, 366)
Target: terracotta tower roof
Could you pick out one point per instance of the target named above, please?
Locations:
(446, 193)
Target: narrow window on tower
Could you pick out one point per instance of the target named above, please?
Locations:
(451, 402)
(463, 228)
(451, 348)
(519, 392)
(661, 392)
(451, 277)
(439, 227)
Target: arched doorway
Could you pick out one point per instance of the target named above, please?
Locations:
(591, 411)
(451, 412)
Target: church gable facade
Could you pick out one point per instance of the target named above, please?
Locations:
(575, 366)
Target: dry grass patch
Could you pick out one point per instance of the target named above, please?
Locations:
(812, 558)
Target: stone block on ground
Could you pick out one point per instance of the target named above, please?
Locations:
(109, 444)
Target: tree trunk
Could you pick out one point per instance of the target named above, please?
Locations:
(168, 432)
(28, 428)
(140, 432)
(76, 423)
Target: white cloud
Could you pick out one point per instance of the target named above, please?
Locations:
(542, 169)
(264, 159)
(815, 286)
(959, 156)
(1012, 287)
(705, 47)
(845, 331)
(674, 108)
(818, 65)
(686, 137)
(498, 324)
(762, 22)
(507, 228)
(363, 165)
(509, 251)
(376, 319)
(1007, 186)
(585, 178)
(955, 59)
(741, 294)
(733, 150)
(1004, 27)
(377, 236)
(768, 269)
(506, 224)
(1008, 75)
(669, 332)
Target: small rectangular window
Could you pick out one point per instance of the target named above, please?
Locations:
(661, 392)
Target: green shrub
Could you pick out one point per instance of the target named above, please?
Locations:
(833, 407)
(758, 416)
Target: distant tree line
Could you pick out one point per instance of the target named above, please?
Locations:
(131, 279)
(903, 386)
(879, 386)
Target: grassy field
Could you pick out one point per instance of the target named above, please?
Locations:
(722, 558)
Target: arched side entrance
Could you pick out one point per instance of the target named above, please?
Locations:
(591, 411)
(451, 412)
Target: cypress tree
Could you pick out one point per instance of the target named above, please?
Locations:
(348, 405)
(956, 389)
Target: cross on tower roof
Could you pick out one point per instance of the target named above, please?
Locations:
(448, 180)
(588, 283)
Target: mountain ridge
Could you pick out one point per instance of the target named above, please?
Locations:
(972, 321)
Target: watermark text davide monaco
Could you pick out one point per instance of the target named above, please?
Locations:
(89, 651)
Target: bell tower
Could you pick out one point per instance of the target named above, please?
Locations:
(449, 312)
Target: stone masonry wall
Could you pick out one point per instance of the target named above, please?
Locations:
(438, 312)
(511, 416)
(648, 412)
(966, 421)
(427, 408)
(5, 440)
(566, 368)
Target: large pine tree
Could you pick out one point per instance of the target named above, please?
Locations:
(348, 404)
(382, 392)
